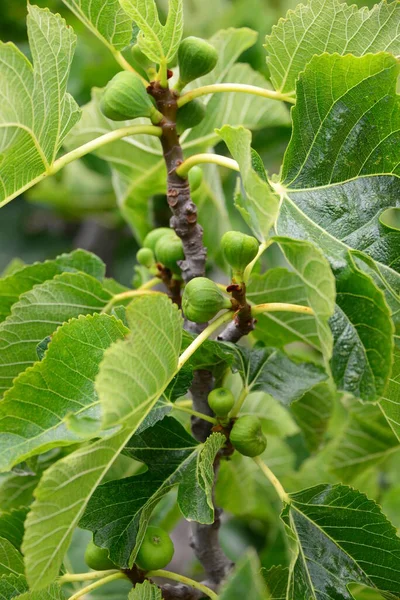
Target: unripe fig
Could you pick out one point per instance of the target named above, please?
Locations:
(145, 257)
(125, 97)
(169, 250)
(195, 178)
(247, 436)
(221, 401)
(189, 115)
(152, 238)
(196, 58)
(239, 249)
(202, 300)
(156, 550)
(97, 558)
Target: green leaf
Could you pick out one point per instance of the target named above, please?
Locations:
(16, 490)
(106, 19)
(36, 111)
(158, 42)
(266, 370)
(277, 581)
(246, 581)
(211, 355)
(67, 486)
(38, 313)
(34, 412)
(11, 561)
(119, 511)
(328, 26)
(312, 414)
(281, 328)
(340, 204)
(366, 440)
(12, 526)
(12, 586)
(195, 491)
(137, 363)
(311, 266)
(260, 207)
(23, 280)
(341, 537)
(145, 591)
(54, 592)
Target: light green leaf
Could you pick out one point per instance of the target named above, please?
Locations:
(261, 206)
(34, 412)
(66, 487)
(341, 537)
(119, 511)
(311, 266)
(12, 586)
(158, 42)
(145, 591)
(36, 112)
(195, 491)
(312, 414)
(328, 26)
(38, 313)
(246, 581)
(54, 592)
(137, 363)
(25, 278)
(16, 490)
(106, 19)
(11, 561)
(366, 440)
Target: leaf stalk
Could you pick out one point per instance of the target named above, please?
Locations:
(233, 87)
(185, 580)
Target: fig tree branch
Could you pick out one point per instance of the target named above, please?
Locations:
(234, 87)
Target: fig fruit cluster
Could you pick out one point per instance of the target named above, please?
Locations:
(164, 246)
(155, 552)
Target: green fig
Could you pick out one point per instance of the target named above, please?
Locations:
(221, 401)
(169, 250)
(239, 250)
(156, 550)
(152, 238)
(125, 97)
(196, 58)
(190, 115)
(97, 558)
(195, 178)
(247, 436)
(202, 300)
(145, 257)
